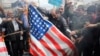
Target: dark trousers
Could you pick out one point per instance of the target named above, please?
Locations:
(97, 48)
(26, 40)
(15, 48)
(85, 46)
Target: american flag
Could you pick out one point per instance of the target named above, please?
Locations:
(3, 49)
(46, 39)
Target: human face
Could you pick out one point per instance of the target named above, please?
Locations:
(53, 12)
(10, 14)
(61, 9)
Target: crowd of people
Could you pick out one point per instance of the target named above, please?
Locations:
(84, 25)
(81, 25)
(15, 28)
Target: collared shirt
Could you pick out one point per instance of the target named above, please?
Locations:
(16, 26)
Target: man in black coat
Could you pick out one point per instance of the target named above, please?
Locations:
(96, 33)
(14, 41)
(90, 43)
(55, 17)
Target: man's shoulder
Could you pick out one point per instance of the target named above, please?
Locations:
(62, 18)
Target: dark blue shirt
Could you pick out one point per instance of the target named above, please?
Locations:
(25, 20)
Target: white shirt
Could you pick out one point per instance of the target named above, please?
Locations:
(15, 24)
(0, 20)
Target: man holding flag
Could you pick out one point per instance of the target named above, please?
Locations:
(46, 39)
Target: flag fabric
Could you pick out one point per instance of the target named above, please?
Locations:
(3, 49)
(46, 39)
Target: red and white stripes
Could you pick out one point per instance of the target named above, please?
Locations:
(3, 49)
(53, 43)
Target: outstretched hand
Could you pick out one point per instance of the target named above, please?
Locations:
(91, 25)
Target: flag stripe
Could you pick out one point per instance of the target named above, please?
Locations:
(55, 43)
(65, 47)
(40, 46)
(4, 54)
(47, 52)
(38, 49)
(3, 49)
(2, 44)
(46, 46)
(64, 38)
(33, 52)
(52, 46)
(1, 39)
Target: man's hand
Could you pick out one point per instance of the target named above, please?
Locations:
(91, 25)
(73, 32)
(73, 40)
(19, 21)
(86, 24)
(9, 19)
(79, 39)
(21, 32)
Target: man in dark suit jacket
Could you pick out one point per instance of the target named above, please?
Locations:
(55, 16)
(13, 42)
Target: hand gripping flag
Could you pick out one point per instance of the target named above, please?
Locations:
(46, 39)
(3, 49)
